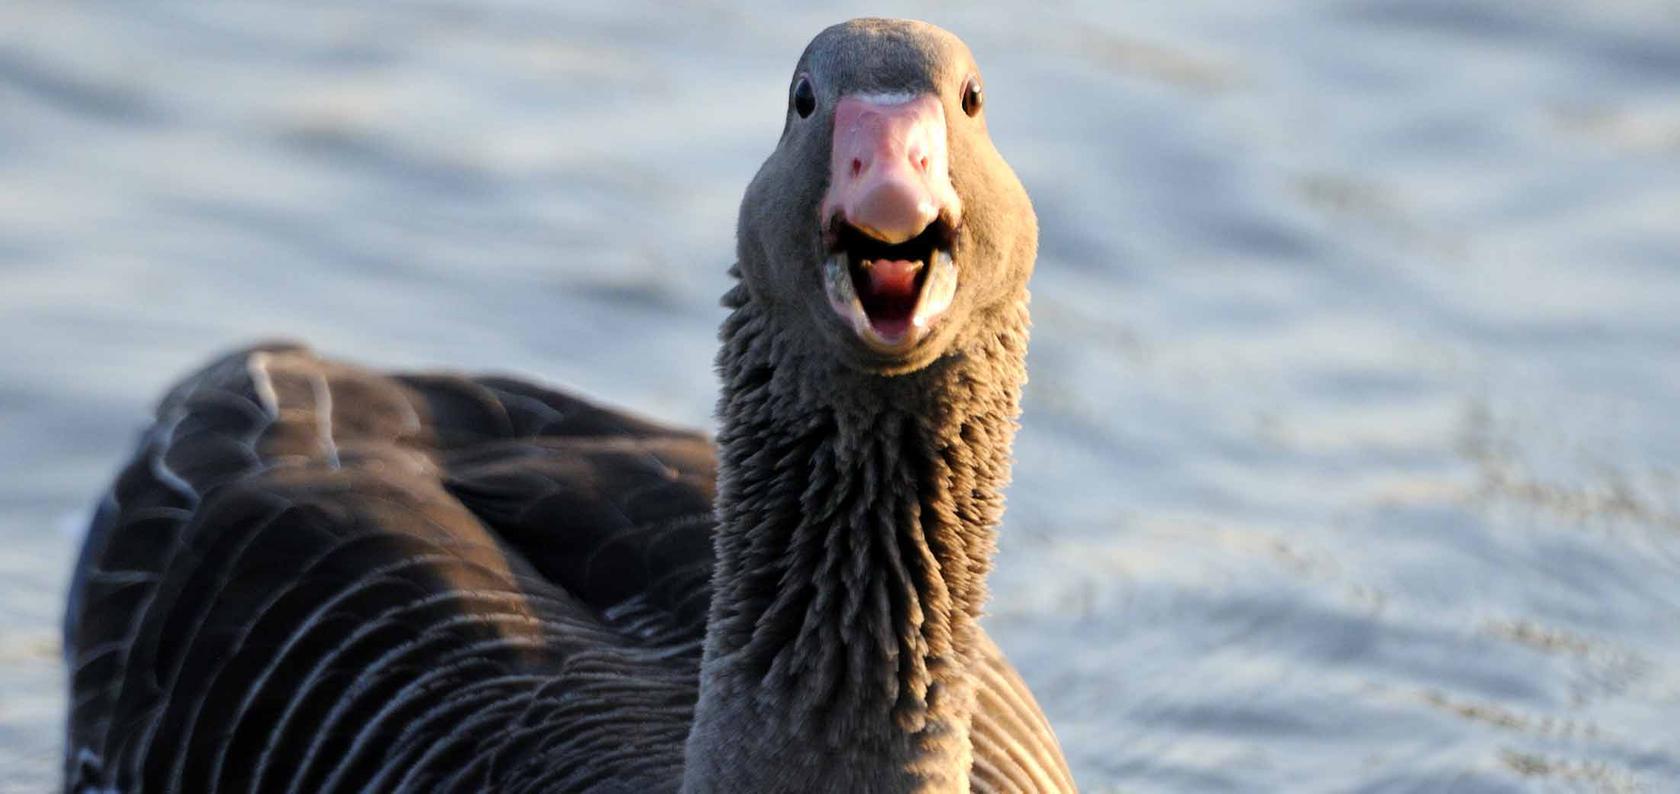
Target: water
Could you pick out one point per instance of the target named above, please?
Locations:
(1351, 458)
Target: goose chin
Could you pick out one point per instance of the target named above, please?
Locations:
(900, 333)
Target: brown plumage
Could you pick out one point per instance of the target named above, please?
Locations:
(314, 577)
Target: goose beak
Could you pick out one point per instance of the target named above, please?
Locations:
(890, 216)
(889, 175)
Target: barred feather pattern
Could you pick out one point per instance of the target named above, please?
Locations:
(314, 578)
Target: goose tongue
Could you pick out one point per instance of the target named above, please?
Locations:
(889, 295)
(893, 279)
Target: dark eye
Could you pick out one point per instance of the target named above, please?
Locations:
(973, 97)
(804, 98)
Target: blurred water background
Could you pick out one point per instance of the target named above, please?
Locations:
(1351, 459)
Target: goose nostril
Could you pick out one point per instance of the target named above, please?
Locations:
(857, 166)
(922, 163)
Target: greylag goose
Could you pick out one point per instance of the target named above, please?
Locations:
(314, 577)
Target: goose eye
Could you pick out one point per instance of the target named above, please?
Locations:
(804, 98)
(972, 97)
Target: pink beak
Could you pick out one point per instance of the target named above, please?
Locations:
(889, 175)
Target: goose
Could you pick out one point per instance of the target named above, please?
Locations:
(318, 577)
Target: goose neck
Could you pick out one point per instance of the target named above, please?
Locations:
(857, 519)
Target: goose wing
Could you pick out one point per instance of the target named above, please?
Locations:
(314, 577)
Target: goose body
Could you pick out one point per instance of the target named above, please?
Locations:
(314, 577)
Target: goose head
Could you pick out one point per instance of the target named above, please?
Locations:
(886, 231)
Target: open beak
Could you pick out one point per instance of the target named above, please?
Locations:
(890, 216)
